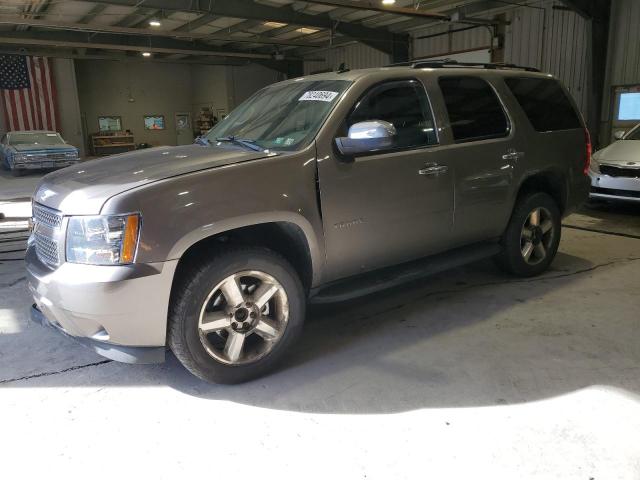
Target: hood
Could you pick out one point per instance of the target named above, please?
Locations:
(622, 152)
(33, 146)
(83, 188)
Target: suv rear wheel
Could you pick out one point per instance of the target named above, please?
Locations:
(531, 239)
(234, 316)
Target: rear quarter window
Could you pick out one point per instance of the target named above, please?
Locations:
(545, 103)
(475, 113)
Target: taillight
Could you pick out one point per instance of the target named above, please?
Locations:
(588, 151)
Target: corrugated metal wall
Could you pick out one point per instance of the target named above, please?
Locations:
(623, 63)
(475, 38)
(354, 55)
(555, 41)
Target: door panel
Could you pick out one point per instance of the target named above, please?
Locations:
(184, 132)
(379, 210)
(386, 208)
(484, 155)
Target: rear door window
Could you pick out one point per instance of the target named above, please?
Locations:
(475, 113)
(545, 103)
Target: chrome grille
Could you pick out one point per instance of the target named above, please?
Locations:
(46, 249)
(47, 234)
(615, 171)
(38, 157)
(46, 216)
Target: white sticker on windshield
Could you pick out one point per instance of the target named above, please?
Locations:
(318, 96)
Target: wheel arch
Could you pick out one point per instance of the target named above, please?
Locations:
(551, 181)
(288, 235)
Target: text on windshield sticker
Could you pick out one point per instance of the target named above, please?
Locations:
(318, 96)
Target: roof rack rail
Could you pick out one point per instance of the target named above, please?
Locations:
(448, 62)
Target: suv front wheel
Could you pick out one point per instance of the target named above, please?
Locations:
(531, 239)
(234, 316)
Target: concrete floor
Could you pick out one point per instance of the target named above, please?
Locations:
(467, 374)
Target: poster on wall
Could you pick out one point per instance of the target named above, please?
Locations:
(109, 124)
(154, 122)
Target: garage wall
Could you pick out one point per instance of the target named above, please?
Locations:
(353, 55)
(555, 41)
(623, 62)
(64, 74)
(132, 90)
(209, 88)
(453, 42)
(247, 79)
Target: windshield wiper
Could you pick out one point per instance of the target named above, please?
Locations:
(243, 142)
(203, 141)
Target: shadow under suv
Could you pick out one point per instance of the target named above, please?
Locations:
(322, 187)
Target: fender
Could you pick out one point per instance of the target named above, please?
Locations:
(228, 224)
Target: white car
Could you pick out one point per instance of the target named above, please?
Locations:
(615, 170)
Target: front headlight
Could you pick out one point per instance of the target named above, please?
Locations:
(102, 239)
(19, 157)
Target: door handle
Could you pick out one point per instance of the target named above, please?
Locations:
(512, 155)
(433, 169)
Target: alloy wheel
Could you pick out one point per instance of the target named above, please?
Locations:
(243, 317)
(536, 236)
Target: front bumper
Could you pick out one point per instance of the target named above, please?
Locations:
(43, 164)
(614, 188)
(119, 353)
(111, 308)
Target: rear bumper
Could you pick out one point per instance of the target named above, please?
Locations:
(614, 188)
(578, 194)
(119, 353)
(113, 308)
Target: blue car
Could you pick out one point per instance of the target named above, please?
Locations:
(36, 150)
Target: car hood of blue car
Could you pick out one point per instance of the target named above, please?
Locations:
(33, 147)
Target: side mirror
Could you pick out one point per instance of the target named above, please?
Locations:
(619, 134)
(365, 137)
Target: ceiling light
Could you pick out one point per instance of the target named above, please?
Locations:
(146, 54)
(274, 24)
(306, 30)
(154, 23)
(388, 2)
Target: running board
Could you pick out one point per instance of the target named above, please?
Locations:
(368, 283)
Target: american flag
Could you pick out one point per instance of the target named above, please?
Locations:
(28, 93)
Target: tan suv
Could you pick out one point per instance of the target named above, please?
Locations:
(323, 188)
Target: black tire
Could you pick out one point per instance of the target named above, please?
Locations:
(511, 258)
(191, 291)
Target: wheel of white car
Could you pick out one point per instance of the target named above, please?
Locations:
(233, 317)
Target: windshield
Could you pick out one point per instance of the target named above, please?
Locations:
(282, 116)
(633, 134)
(39, 138)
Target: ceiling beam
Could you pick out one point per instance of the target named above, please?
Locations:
(118, 56)
(93, 13)
(133, 17)
(197, 23)
(380, 39)
(11, 20)
(378, 7)
(121, 43)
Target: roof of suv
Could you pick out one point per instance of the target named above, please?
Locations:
(452, 67)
